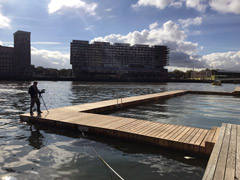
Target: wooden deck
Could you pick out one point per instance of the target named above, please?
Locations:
(81, 117)
(224, 162)
(223, 144)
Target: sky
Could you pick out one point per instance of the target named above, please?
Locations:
(199, 33)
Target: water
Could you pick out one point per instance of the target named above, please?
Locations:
(202, 111)
(30, 151)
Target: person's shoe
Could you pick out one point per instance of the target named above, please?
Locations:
(31, 113)
(39, 112)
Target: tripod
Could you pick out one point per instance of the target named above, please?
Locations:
(40, 96)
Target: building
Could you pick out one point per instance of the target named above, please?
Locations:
(119, 61)
(15, 62)
(215, 75)
(202, 75)
(6, 61)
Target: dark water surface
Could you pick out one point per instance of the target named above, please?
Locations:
(30, 151)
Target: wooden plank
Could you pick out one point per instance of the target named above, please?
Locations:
(221, 163)
(231, 156)
(157, 129)
(194, 139)
(172, 135)
(182, 128)
(130, 125)
(201, 142)
(176, 140)
(202, 147)
(135, 127)
(208, 141)
(211, 166)
(148, 129)
(180, 144)
(189, 138)
(237, 172)
(162, 138)
(211, 134)
(166, 131)
(173, 132)
(214, 140)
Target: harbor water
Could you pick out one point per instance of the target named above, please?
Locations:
(35, 151)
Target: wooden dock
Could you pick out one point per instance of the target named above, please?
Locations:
(224, 162)
(222, 143)
(81, 117)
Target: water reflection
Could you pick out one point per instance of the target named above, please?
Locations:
(36, 138)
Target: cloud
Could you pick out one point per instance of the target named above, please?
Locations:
(176, 4)
(50, 59)
(226, 6)
(4, 21)
(1, 43)
(45, 43)
(160, 4)
(108, 10)
(89, 28)
(196, 4)
(190, 21)
(59, 5)
(182, 52)
(153, 25)
(228, 60)
(222, 6)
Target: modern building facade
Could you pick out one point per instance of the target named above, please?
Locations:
(119, 61)
(6, 61)
(15, 62)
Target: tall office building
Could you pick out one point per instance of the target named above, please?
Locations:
(15, 62)
(119, 61)
(22, 53)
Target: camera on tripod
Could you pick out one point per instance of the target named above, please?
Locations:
(41, 92)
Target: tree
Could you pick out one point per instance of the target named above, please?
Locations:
(177, 74)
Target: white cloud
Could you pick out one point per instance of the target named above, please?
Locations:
(190, 21)
(172, 68)
(1, 43)
(226, 6)
(228, 60)
(108, 10)
(4, 21)
(160, 4)
(196, 32)
(50, 59)
(182, 52)
(153, 25)
(46, 43)
(58, 5)
(176, 4)
(196, 4)
(89, 28)
(223, 6)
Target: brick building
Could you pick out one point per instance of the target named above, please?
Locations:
(15, 62)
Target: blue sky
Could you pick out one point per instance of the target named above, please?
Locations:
(199, 33)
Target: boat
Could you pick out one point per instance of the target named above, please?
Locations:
(217, 83)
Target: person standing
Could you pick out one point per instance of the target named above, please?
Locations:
(33, 91)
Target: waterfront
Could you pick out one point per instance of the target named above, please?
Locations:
(43, 153)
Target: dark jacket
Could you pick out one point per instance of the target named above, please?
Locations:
(33, 91)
